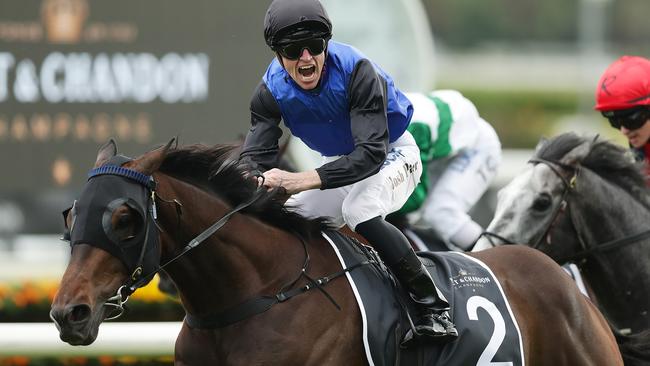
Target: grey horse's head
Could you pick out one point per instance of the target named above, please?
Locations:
(559, 201)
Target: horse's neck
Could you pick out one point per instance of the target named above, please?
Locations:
(606, 213)
(243, 259)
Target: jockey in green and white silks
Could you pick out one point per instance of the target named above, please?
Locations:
(460, 154)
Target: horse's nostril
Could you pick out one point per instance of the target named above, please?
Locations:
(79, 313)
(70, 314)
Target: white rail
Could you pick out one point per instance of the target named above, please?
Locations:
(114, 339)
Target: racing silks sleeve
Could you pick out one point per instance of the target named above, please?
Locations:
(260, 149)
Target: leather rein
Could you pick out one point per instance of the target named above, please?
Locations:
(244, 309)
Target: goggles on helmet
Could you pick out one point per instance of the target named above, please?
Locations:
(631, 119)
(293, 50)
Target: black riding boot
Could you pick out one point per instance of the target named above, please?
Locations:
(434, 317)
(396, 251)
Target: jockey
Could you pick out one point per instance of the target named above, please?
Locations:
(346, 108)
(460, 154)
(623, 97)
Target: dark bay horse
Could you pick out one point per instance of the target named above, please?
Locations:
(154, 205)
(585, 200)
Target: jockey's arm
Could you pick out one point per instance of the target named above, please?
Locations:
(369, 125)
(260, 149)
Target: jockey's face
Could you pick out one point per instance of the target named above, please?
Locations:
(306, 70)
(639, 136)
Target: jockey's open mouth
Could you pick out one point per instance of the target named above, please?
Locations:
(307, 71)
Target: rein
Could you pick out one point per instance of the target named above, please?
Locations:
(237, 312)
(612, 244)
(124, 291)
(569, 186)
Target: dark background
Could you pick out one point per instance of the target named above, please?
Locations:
(228, 32)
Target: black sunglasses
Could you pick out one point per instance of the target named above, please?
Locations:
(293, 50)
(631, 121)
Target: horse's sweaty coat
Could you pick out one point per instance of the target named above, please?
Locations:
(488, 331)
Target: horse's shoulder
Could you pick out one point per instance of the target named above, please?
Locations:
(520, 262)
(529, 271)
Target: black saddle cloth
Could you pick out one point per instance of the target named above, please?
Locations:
(487, 328)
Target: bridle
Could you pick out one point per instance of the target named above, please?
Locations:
(240, 311)
(569, 182)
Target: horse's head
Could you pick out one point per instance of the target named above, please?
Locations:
(114, 241)
(535, 202)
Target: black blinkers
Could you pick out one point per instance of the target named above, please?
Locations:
(108, 188)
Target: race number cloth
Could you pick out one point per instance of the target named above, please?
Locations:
(488, 332)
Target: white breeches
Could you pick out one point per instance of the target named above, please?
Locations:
(457, 183)
(377, 195)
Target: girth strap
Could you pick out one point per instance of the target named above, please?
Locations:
(239, 312)
(261, 304)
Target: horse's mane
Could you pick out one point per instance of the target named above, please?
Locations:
(610, 161)
(216, 169)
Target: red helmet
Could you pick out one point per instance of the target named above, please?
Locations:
(625, 84)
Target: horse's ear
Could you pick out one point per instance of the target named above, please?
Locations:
(577, 154)
(150, 162)
(542, 142)
(106, 152)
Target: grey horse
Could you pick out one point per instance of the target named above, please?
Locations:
(584, 200)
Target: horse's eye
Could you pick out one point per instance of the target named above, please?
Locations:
(542, 202)
(123, 221)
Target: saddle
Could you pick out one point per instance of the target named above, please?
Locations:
(421, 238)
(487, 328)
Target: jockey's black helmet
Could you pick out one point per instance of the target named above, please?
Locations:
(287, 21)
